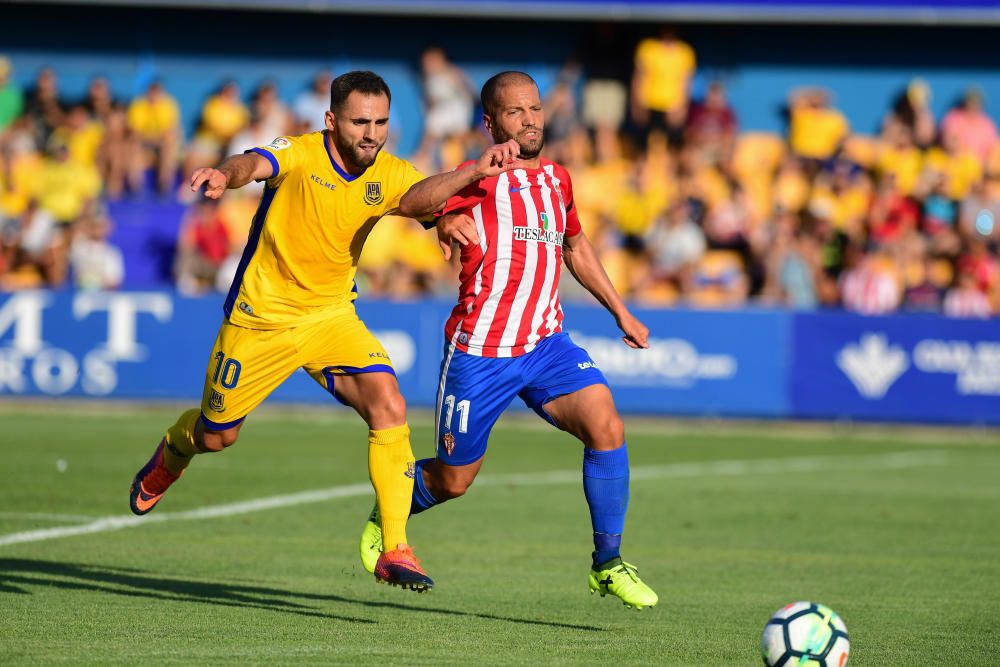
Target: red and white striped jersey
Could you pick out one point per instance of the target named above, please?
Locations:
(967, 302)
(508, 299)
(870, 289)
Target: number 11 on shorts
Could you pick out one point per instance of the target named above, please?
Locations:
(463, 413)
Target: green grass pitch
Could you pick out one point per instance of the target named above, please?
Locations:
(897, 530)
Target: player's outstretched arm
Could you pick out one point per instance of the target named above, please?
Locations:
(582, 262)
(234, 172)
(430, 194)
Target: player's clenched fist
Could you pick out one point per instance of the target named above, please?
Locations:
(215, 182)
(498, 158)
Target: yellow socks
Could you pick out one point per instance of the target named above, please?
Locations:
(390, 466)
(180, 442)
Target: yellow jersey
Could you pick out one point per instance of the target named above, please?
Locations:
(152, 120)
(816, 133)
(308, 232)
(667, 69)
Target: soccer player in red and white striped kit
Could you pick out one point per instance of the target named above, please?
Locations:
(516, 224)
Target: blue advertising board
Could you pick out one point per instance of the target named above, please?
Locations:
(773, 364)
(156, 345)
(914, 368)
(695, 365)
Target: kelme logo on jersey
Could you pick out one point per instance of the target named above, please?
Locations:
(373, 192)
(217, 401)
(323, 182)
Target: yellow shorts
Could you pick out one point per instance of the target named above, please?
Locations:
(248, 364)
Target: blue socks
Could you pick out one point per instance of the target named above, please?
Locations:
(605, 485)
(422, 498)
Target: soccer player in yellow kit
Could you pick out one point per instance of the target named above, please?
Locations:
(291, 304)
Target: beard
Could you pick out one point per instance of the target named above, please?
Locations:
(354, 154)
(528, 149)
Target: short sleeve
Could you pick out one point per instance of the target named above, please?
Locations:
(406, 177)
(465, 198)
(284, 155)
(572, 220)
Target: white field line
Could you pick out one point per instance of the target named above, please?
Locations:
(675, 470)
(42, 516)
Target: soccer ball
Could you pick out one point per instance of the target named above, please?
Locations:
(805, 634)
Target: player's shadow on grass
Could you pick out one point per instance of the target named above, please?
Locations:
(452, 612)
(18, 576)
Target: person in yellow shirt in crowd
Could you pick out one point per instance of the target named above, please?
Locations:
(154, 120)
(222, 118)
(20, 165)
(224, 115)
(816, 130)
(960, 167)
(81, 135)
(661, 87)
(64, 186)
(842, 197)
(899, 158)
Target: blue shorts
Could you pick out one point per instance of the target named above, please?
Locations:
(474, 391)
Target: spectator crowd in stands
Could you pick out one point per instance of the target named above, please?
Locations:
(684, 207)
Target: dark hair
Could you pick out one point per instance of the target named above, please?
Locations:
(488, 95)
(362, 81)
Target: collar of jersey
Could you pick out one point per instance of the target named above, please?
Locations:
(531, 170)
(336, 167)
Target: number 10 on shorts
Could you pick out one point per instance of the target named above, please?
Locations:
(462, 407)
(229, 371)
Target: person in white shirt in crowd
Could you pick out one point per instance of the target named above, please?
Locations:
(96, 263)
(311, 105)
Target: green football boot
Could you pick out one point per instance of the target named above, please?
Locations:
(621, 580)
(371, 541)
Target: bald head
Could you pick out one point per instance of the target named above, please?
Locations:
(490, 94)
(512, 109)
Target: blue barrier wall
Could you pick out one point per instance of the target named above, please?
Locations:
(896, 368)
(695, 365)
(772, 364)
